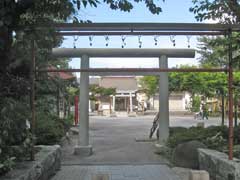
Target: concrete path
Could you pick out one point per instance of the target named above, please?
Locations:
(122, 172)
(113, 141)
(117, 156)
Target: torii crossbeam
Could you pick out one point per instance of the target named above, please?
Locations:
(145, 29)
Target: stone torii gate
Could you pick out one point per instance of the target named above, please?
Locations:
(83, 147)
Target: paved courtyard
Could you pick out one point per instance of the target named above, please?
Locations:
(117, 155)
(113, 140)
(122, 172)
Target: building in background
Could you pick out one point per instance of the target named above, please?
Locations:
(125, 98)
(178, 102)
(129, 97)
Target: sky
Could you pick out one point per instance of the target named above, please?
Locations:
(175, 11)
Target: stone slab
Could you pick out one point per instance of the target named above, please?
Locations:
(218, 165)
(145, 139)
(83, 150)
(47, 162)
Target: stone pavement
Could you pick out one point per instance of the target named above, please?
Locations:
(116, 172)
(113, 141)
(116, 154)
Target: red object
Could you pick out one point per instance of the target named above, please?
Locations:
(61, 75)
(76, 110)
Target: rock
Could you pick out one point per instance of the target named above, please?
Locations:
(183, 173)
(186, 154)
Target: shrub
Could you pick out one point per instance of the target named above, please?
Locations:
(50, 128)
(6, 165)
(212, 137)
(175, 130)
(67, 122)
(181, 136)
(13, 132)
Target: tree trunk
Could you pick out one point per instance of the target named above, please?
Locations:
(235, 110)
(5, 54)
(64, 108)
(5, 48)
(110, 104)
(69, 108)
(223, 110)
(58, 102)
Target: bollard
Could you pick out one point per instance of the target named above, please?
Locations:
(199, 175)
(200, 124)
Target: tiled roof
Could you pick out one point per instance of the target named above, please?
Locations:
(61, 75)
(120, 83)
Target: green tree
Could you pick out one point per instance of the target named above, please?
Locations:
(225, 11)
(15, 61)
(213, 51)
(98, 92)
(149, 84)
(37, 12)
(204, 83)
(15, 55)
(195, 83)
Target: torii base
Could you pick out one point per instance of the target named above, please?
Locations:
(83, 150)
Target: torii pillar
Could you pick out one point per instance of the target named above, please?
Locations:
(83, 147)
(163, 101)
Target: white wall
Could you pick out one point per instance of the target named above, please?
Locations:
(177, 101)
